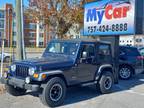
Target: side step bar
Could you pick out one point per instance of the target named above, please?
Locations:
(89, 83)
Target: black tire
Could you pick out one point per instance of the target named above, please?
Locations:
(54, 92)
(15, 91)
(125, 72)
(105, 83)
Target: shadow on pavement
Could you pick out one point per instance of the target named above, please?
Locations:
(133, 82)
(78, 94)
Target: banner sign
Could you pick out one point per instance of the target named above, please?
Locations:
(109, 17)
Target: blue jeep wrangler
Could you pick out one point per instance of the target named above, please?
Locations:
(64, 63)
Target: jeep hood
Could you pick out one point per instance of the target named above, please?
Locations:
(50, 62)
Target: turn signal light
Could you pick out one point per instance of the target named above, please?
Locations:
(36, 75)
(44, 76)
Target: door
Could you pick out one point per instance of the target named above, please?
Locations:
(86, 69)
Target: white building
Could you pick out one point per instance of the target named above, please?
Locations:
(132, 40)
(127, 40)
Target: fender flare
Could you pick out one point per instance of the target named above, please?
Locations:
(49, 73)
(100, 70)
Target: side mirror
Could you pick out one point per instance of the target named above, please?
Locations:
(84, 54)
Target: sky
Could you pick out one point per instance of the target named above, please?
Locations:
(3, 2)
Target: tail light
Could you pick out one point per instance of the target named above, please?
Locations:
(140, 57)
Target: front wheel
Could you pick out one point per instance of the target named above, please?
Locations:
(106, 82)
(54, 92)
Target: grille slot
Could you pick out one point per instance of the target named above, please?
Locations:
(22, 71)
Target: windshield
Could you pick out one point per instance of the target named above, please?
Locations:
(67, 48)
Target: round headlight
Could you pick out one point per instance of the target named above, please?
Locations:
(13, 68)
(31, 71)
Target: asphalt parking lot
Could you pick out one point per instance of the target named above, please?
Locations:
(127, 94)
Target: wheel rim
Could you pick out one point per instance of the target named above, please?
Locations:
(56, 92)
(108, 83)
(125, 73)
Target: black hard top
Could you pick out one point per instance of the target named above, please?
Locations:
(81, 40)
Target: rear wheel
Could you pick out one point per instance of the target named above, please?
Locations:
(125, 72)
(106, 82)
(15, 91)
(54, 92)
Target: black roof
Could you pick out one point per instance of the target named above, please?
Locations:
(81, 40)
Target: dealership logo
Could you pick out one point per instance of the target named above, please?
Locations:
(109, 12)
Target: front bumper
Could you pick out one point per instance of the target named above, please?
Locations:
(20, 83)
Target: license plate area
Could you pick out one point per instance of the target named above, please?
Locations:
(17, 82)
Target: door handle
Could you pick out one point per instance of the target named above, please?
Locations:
(76, 65)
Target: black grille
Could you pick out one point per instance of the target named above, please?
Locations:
(22, 71)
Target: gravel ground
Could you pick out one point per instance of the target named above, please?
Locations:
(128, 94)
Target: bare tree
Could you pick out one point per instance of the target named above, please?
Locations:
(59, 14)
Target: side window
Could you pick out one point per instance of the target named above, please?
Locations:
(89, 49)
(104, 52)
(132, 52)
